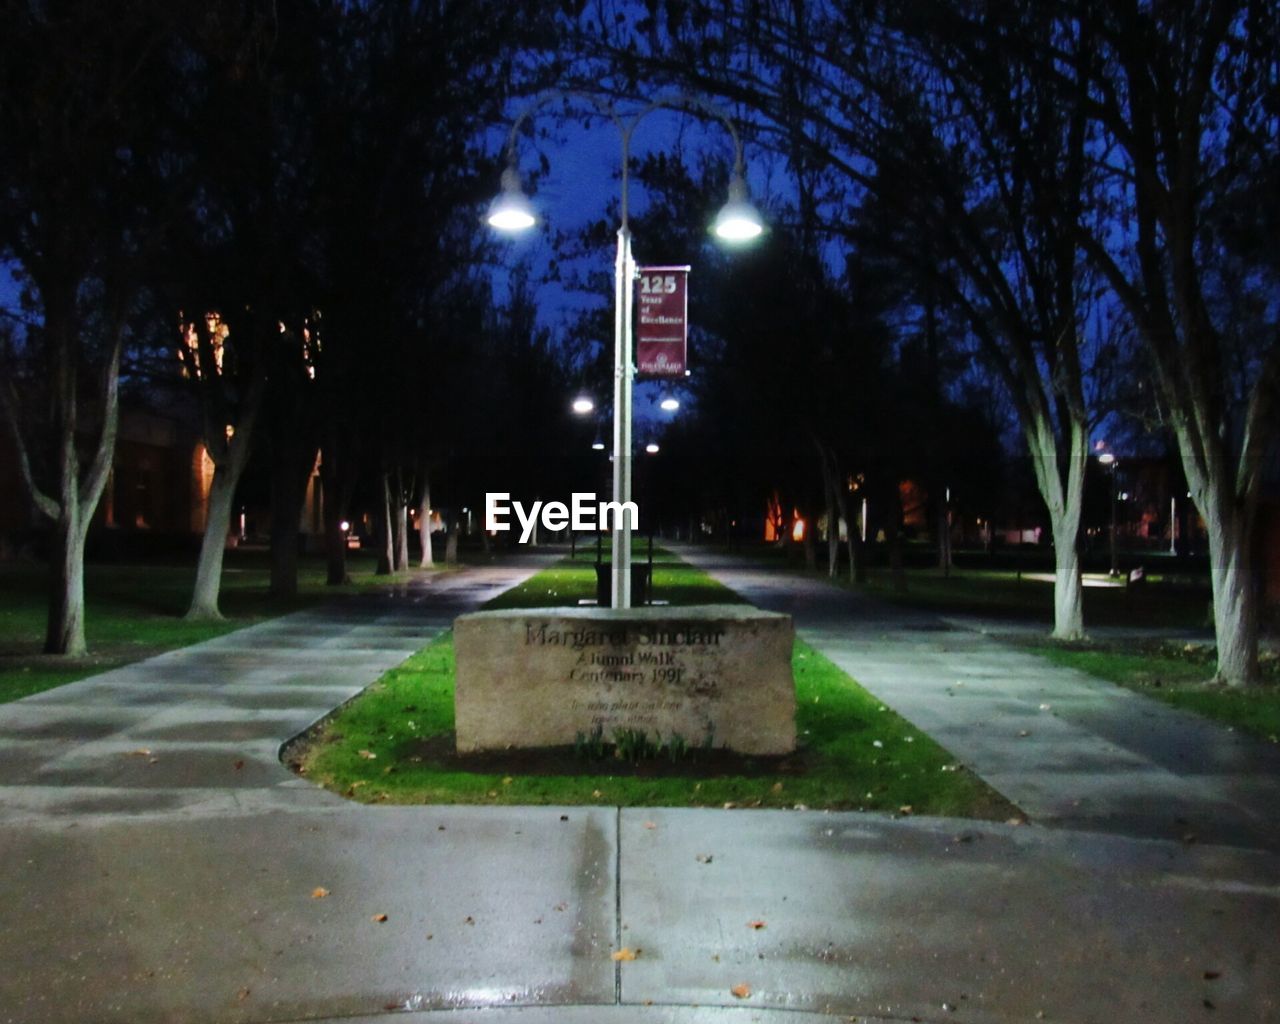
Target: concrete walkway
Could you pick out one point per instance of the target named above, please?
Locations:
(201, 882)
(1072, 751)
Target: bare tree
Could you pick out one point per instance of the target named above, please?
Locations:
(80, 180)
(1185, 96)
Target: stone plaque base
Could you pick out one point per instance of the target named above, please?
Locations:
(543, 677)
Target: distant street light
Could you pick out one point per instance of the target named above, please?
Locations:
(738, 221)
(583, 405)
(669, 404)
(652, 448)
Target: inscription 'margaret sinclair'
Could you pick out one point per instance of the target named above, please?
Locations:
(543, 635)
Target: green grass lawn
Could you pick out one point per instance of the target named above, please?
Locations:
(1169, 601)
(571, 580)
(133, 611)
(1007, 594)
(1177, 676)
(394, 743)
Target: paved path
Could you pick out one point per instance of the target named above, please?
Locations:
(181, 889)
(1070, 750)
(200, 728)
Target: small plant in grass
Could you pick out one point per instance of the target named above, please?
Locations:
(709, 738)
(677, 749)
(589, 746)
(633, 745)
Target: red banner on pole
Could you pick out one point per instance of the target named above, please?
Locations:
(662, 323)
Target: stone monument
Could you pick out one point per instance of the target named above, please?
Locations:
(713, 675)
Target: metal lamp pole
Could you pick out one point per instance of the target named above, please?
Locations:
(623, 386)
(512, 211)
(1115, 567)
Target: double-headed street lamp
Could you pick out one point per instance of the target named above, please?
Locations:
(737, 221)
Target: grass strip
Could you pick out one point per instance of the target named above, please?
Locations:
(1178, 676)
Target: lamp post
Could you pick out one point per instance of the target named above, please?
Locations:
(1109, 460)
(737, 221)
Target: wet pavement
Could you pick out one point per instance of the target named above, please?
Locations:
(1072, 751)
(159, 864)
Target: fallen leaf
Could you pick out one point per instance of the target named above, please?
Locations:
(242, 995)
(368, 755)
(704, 858)
(140, 752)
(905, 809)
(1016, 821)
(625, 954)
(153, 760)
(380, 918)
(319, 892)
(562, 907)
(1024, 732)
(776, 787)
(238, 765)
(650, 824)
(742, 991)
(469, 920)
(757, 925)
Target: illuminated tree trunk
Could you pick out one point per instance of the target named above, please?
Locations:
(64, 632)
(204, 599)
(424, 521)
(1064, 501)
(233, 456)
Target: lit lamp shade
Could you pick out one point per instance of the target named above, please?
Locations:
(738, 220)
(511, 211)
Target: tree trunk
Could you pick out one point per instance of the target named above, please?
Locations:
(288, 493)
(1235, 595)
(77, 498)
(833, 535)
(401, 511)
(944, 535)
(451, 545)
(1068, 592)
(386, 552)
(424, 521)
(1235, 610)
(1064, 504)
(64, 631)
(213, 545)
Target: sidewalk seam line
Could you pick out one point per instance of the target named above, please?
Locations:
(617, 905)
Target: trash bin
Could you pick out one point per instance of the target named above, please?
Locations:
(640, 584)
